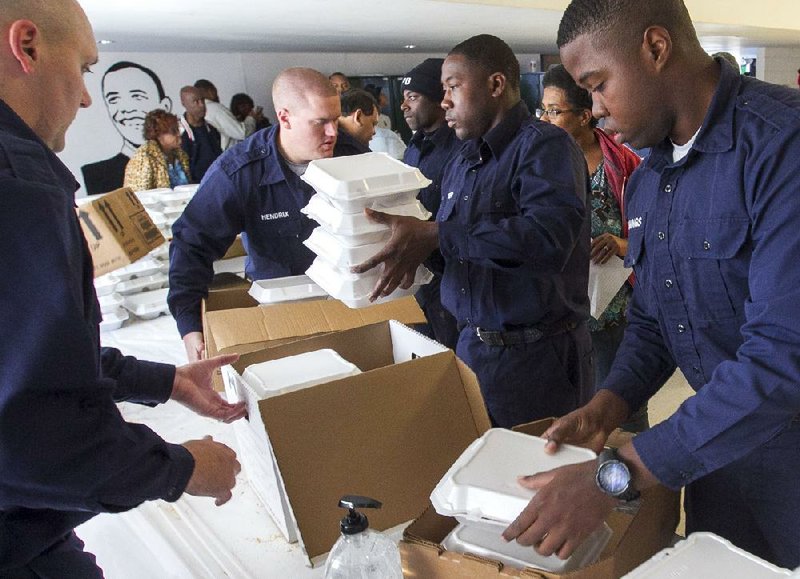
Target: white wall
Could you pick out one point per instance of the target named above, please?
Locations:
(93, 137)
(779, 65)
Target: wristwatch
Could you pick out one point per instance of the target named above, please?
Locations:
(613, 476)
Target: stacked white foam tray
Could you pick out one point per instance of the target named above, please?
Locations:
(344, 187)
(165, 205)
(481, 491)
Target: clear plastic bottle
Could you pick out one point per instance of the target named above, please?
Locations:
(361, 553)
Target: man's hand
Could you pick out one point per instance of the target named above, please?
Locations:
(215, 470)
(195, 346)
(605, 246)
(193, 389)
(589, 425)
(567, 508)
(411, 242)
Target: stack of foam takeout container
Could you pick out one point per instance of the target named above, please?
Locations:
(481, 491)
(165, 205)
(139, 288)
(344, 187)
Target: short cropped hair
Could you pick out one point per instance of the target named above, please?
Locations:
(493, 55)
(355, 99)
(578, 98)
(627, 19)
(159, 122)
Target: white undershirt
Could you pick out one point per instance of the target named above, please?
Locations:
(680, 151)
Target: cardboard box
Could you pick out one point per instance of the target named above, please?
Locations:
(636, 538)
(118, 230)
(390, 432)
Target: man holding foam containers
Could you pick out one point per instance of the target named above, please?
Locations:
(254, 188)
(513, 228)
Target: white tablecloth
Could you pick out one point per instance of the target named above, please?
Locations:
(191, 538)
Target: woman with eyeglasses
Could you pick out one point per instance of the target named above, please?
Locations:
(569, 107)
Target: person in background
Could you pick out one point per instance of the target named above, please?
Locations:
(340, 82)
(160, 161)
(199, 139)
(357, 122)
(433, 145)
(66, 453)
(729, 58)
(384, 122)
(129, 91)
(568, 106)
(385, 140)
(254, 189)
(713, 215)
(513, 228)
(245, 111)
(231, 129)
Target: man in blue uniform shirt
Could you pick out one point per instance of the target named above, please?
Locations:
(255, 189)
(356, 123)
(66, 453)
(431, 148)
(713, 215)
(513, 228)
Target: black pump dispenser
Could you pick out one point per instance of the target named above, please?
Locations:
(355, 522)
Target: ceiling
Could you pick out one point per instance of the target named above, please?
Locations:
(529, 26)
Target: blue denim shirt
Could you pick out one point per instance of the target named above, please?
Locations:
(714, 243)
(514, 227)
(65, 451)
(248, 190)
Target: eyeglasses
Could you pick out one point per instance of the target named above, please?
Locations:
(552, 114)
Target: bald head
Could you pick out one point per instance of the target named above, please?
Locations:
(54, 18)
(294, 86)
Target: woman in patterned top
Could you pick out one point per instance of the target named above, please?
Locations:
(160, 161)
(568, 106)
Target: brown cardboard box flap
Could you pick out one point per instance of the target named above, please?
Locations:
(259, 325)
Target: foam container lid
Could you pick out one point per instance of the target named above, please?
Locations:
(284, 289)
(708, 556)
(482, 483)
(488, 542)
(113, 320)
(176, 198)
(283, 375)
(190, 188)
(105, 284)
(333, 248)
(141, 284)
(368, 175)
(379, 202)
(109, 302)
(340, 223)
(353, 289)
(151, 198)
(148, 304)
(148, 265)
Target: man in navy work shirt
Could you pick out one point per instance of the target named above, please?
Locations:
(356, 123)
(513, 228)
(432, 146)
(66, 453)
(255, 189)
(713, 215)
(199, 139)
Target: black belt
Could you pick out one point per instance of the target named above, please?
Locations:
(522, 336)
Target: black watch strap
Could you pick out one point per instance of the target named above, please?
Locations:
(608, 460)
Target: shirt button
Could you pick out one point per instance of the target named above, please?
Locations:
(466, 197)
(668, 283)
(706, 245)
(681, 328)
(662, 235)
(460, 262)
(695, 369)
(668, 189)
(463, 291)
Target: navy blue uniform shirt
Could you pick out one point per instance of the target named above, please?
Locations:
(203, 149)
(430, 153)
(714, 242)
(347, 145)
(514, 227)
(248, 190)
(65, 451)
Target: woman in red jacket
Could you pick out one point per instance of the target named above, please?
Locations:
(568, 106)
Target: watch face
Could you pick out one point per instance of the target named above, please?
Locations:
(614, 477)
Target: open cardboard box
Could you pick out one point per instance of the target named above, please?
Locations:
(636, 538)
(118, 230)
(390, 432)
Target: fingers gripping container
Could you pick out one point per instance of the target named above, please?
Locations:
(370, 180)
(481, 491)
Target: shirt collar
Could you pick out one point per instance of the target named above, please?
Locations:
(437, 137)
(267, 146)
(500, 136)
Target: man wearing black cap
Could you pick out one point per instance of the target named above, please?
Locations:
(431, 147)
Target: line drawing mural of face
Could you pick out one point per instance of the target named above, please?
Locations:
(130, 91)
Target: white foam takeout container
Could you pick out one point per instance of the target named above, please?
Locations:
(147, 305)
(146, 266)
(109, 302)
(358, 225)
(276, 377)
(142, 284)
(105, 284)
(151, 198)
(113, 320)
(354, 289)
(708, 556)
(482, 486)
(488, 542)
(284, 289)
(334, 248)
(369, 180)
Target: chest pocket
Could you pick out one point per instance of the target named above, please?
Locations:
(715, 264)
